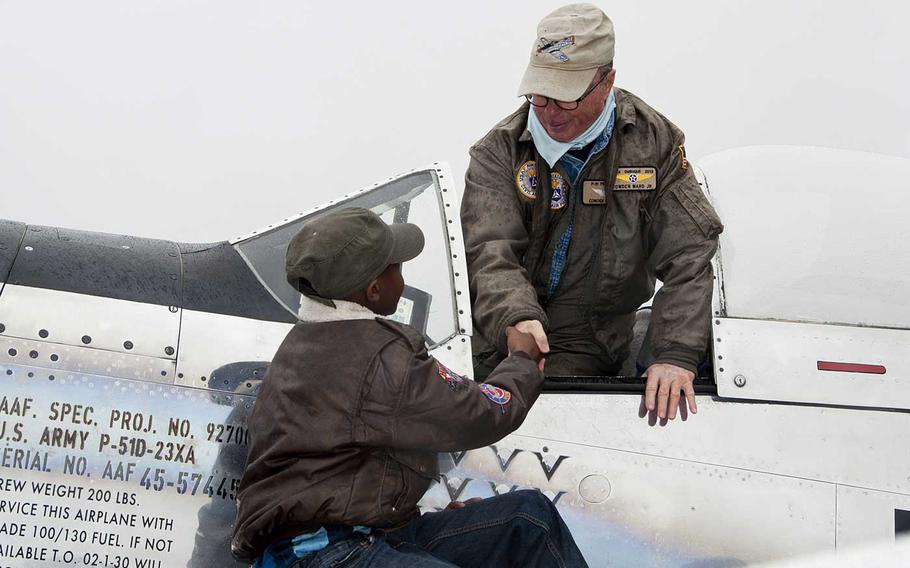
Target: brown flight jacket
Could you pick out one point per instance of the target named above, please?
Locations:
(669, 233)
(348, 423)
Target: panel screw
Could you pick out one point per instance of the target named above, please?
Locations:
(172, 309)
(739, 381)
(86, 339)
(169, 350)
(127, 345)
(42, 333)
(2, 328)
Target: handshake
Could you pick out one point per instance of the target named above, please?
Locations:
(530, 338)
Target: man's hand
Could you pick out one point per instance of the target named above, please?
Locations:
(518, 340)
(535, 328)
(665, 382)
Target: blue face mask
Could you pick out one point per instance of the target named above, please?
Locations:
(552, 150)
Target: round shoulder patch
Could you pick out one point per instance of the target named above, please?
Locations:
(560, 195)
(496, 394)
(526, 179)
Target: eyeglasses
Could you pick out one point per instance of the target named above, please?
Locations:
(541, 101)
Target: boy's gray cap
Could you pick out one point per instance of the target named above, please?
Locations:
(572, 43)
(339, 253)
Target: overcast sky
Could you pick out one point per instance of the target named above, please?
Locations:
(203, 120)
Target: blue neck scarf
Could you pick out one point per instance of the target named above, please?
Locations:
(552, 150)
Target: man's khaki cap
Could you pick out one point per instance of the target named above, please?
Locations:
(572, 43)
(340, 253)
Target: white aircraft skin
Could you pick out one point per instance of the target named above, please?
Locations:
(129, 366)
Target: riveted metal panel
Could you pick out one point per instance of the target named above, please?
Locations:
(865, 516)
(773, 360)
(629, 509)
(213, 345)
(91, 321)
(458, 261)
(60, 357)
(845, 446)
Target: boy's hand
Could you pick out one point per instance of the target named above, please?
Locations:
(524, 342)
(463, 504)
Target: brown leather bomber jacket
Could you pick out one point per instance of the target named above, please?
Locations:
(349, 420)
(639, 214)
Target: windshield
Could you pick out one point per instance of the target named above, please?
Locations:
(428, 302)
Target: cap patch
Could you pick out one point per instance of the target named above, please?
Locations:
(560, 187)
(636, 179)
(496, 394)
(526, 179)
(454, 381)
(554, 47)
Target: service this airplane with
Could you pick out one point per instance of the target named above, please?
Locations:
(129, 366)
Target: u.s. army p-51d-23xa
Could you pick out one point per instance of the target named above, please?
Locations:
(129, 366)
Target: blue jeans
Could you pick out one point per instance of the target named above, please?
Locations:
(521, 529)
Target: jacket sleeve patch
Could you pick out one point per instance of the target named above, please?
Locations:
(452, 379)
(496, 394)
(683, 163)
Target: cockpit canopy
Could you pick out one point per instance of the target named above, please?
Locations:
(812, 234)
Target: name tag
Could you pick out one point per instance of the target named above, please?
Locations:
(594, 192)
(636, 179)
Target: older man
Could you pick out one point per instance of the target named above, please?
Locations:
(571, 258)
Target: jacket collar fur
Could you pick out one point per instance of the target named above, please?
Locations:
(312, 311)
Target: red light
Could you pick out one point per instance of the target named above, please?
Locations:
(851, 368)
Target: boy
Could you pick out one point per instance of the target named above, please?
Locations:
(353, 411)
